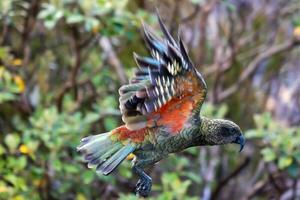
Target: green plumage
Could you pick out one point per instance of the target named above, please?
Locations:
(202, 132)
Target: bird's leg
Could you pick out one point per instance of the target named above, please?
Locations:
(143, 186)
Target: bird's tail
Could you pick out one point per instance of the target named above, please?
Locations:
(101, 152)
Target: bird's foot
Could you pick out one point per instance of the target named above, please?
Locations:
(143, 187)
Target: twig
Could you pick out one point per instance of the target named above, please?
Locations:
(225, 181)
(28, 25)
(221, 51)
(191, 16)
(294, 194)
(204, 13)
(113, 59)
(289, 10)
(225, 66)
(272, 178)
(66, 87)
(208, 172)
(77, 63)
(4, 31)
(255, 189)
(71, 82)
(175, 18)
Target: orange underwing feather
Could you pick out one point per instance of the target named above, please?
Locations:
(164, 92)
(175, 114)
(122, 133)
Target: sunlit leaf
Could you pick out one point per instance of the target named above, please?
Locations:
(284, 162)
(12, 141)
(2, 150)
(268, 154)
(74, 18)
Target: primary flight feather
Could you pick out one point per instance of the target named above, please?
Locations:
(161, 111)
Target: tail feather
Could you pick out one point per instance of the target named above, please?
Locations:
(108, 166)
(101, 152)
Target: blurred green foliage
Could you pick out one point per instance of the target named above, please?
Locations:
(280, 143)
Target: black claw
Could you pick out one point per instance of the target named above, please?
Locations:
(143, 187)
(144, 184)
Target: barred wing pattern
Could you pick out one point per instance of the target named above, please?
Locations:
(157, 80)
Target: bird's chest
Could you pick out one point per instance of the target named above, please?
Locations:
(151, 153)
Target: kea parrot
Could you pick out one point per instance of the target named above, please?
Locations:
(160, 109)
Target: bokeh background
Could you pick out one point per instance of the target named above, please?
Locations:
(62, 62)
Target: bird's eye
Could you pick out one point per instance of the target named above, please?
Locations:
(227, 131)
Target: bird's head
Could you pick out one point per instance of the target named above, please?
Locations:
(220, 131)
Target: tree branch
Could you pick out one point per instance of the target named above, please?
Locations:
(225, 181)
(28, 26)
(250, 69)
(191, 16)
(73, 75)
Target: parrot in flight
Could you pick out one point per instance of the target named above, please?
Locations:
(160, 109)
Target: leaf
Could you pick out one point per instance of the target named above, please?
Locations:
(18, 197)
(91, 117)
(46, 12)
(21, 163)
(49, 24)
(4, 53)
(284, 162)
(253, 133)
(80, 196)
(57, 164)
(5, 96)
(125, 171)
(231, 7)
(293, 170)
(4, 188)
(2, 150)
(268, 154)
(11, 178)
(16, 164)
(91, 24)
(58, 14)
(73, 169)
(12, 141)
(88, 176)
(128, 197)
(222, 111)
(192, 151)
(194, 177)
(110, 123)
(196, 1)
(296, 155)
(262, 121)
(75, 18)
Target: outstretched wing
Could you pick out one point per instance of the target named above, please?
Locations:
(163, 84)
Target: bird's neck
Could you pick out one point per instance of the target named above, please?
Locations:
(201, 133)
(197, 134)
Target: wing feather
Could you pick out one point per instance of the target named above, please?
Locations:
(158, 80)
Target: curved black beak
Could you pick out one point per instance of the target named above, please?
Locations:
(241, 141)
